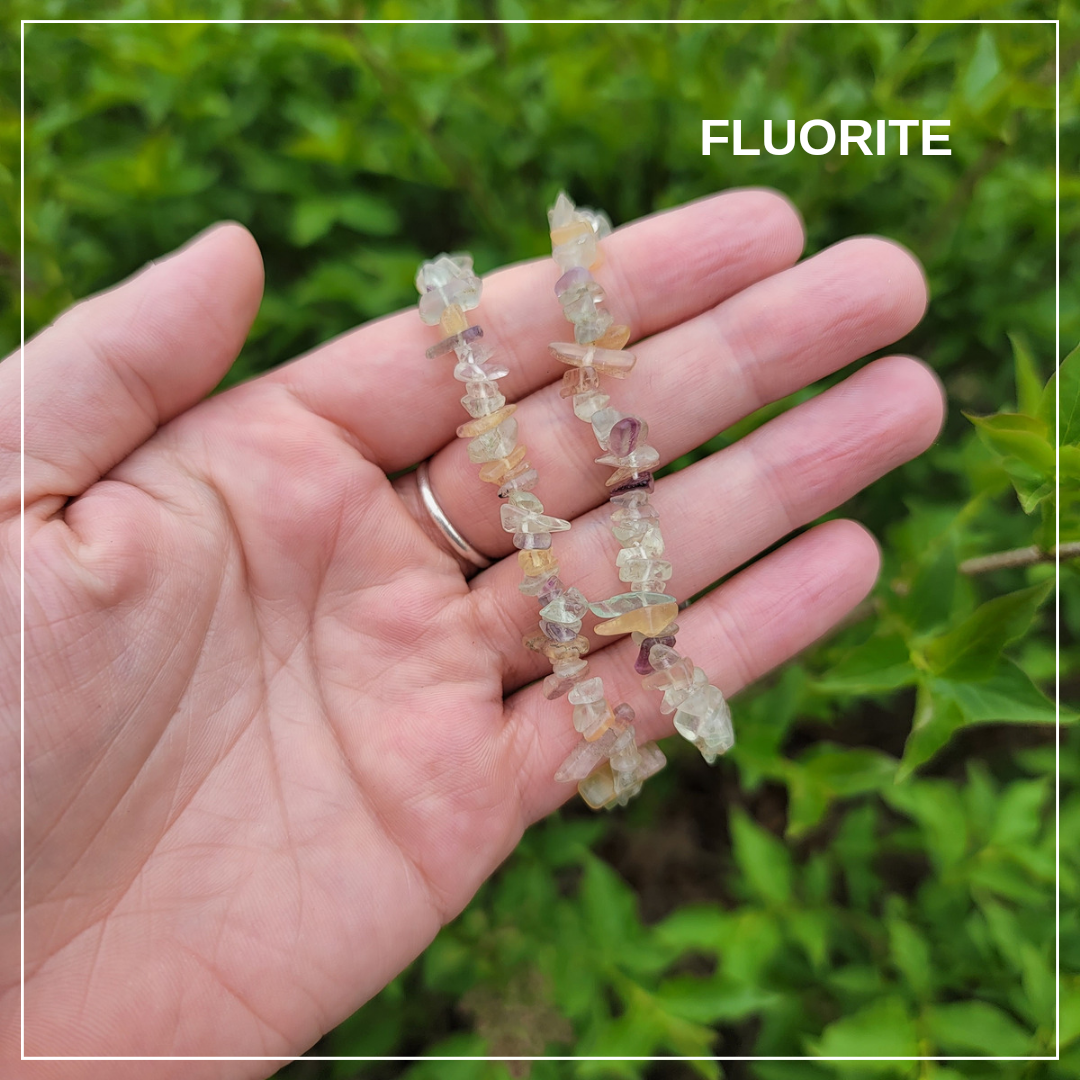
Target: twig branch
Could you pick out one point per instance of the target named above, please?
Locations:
(1027, 556)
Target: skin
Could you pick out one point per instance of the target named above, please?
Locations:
(275, 737)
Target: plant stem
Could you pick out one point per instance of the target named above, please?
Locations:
(1026, 556)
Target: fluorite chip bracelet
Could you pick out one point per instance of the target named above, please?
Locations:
(646, 610)
(607, 763)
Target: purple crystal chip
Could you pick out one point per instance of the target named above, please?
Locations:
(642, 665)
(642, 481)
(557, 631)
(574, 278)
(470, 333)
(623, 436)
(539, 541)
(549, 590)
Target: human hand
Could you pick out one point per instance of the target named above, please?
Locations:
(274, 737)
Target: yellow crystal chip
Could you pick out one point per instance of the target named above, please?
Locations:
(646, 620)
(565, 233)
(485, 423)
(492, 472)
(453, 320)
(598, 789)
(615, 337)
(537, 563)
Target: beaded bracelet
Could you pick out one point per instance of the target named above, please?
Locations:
(607, 763)
(701, 714)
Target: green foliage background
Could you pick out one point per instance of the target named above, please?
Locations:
(871, 870)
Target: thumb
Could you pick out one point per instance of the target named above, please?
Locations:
(110, 371)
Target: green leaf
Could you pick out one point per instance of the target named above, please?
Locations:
(566, 841)
(695, 926)
(980, 796)
(367, 213)
(1013, 435)
(608, 905)
(1069, 460)
(1019, 812)
(933, 724)
(881, 663)
(1037, 978)
(768, 716)
(848, 770)
(810, 928)
(976, 1027)
(1008, 695)
(312, 220)
(754, 940)
(1067, 377)
(938, 808)
(1004, 929)
(910, 955)
(462, 1044)
(707, 1001)
(930, 598)
(983, 69)
(1070, 1010)
(1005, 876)
(943, 706)
(1030, 492)
(1029, 386)
(828, 772)
(971, 650)
(763, 860)
(645, 1028)
(882, 1029)
(313, 217)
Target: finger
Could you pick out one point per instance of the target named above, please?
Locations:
(720, 512)
(698, 378)
(376, 382)
(115, 367)
(757, 620)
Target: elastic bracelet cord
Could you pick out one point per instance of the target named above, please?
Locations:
(606, 763)
(647, 610)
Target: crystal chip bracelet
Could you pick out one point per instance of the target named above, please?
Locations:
(646, 611)
(607, 763)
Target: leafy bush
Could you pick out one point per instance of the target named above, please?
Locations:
(871, 870)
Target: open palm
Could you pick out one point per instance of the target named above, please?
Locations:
(274, 737)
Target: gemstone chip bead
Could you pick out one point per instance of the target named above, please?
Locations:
(454, 342)
(519, 519)
(705, 719)
(615, 362)
(598, 789)
(485, 423)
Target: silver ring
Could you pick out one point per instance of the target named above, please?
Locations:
(457, 541)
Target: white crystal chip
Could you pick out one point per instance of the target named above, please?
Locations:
(568, 607)
(629, 601)
(437, 273)
(585, 757)
(587, 691)
(599, 789)
(517, 519)
(564, 213)
(495, 444)
(705, 720)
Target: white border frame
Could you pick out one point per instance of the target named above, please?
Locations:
(612, 22)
